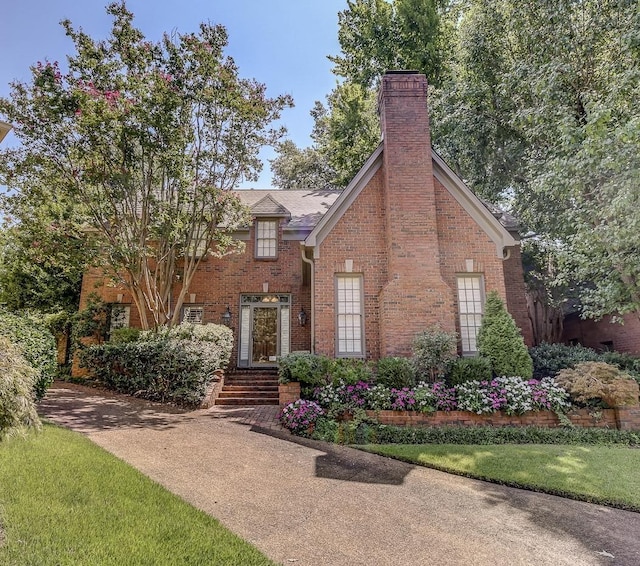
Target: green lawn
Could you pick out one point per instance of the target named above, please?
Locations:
(601, 474)
(64, 500)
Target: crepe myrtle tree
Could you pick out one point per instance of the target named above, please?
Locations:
(147, 138)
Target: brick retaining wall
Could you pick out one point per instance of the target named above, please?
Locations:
(623, 418)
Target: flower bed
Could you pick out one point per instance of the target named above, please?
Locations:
(502, 401)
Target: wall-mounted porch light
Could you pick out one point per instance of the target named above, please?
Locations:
(302, 317)
(226, 317)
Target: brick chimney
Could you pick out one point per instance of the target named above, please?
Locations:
(415, 295)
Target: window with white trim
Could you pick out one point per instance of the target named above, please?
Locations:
(266, 238)
(349, 316)
(193, 315)
(471, 307)
(119, 316)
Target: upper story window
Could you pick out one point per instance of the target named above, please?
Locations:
(266, 239)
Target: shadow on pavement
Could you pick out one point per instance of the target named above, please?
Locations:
(86, 411)
(595, 526)
(347, 464)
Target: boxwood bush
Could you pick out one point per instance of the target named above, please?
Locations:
(174, 365)
(305, 368)
(36, 344)
(468, 369)
(395, 372)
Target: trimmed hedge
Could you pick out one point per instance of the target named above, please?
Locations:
(36, 344)
(174, 365)
(305, 368)
(362, 432)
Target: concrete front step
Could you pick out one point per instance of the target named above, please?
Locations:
(245, 393)
(250, 387)
(247, 387)
(246, 401)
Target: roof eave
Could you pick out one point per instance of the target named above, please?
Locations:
(344, 201)
(500, 236)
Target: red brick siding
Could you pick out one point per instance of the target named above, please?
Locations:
(515, 288)
(591, 333)
(608, 418)
(358, 235)
(415, 290)
(220, 282)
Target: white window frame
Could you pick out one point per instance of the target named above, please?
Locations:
(117, 321)
(266, 241)
(471, 297)
(192, 314)
(349, 310)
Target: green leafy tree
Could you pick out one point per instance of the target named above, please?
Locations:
(542, 107)
(43, 252)
(376, 36)
(147, 138)
(296, 168)
(500, 340)
(35, 343)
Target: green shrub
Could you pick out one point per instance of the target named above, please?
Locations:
(500, 341)
(36, 344)
(549, 359)
(17, 383)
(433, 351)
(174, 365)
(303, 367)
(214, 341)
(395, 373)
(350, 371)
(469, 369)
(593, 383)
(367, 433)
(123, 335)
(625, 362)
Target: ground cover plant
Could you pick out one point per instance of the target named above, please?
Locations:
(600, 474)
(66, 501)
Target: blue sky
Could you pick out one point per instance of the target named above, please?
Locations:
(282, 43)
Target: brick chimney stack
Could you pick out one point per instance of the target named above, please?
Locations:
(415, 295)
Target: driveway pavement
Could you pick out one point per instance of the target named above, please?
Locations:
(310, 503)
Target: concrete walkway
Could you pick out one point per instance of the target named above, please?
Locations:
(309, 503)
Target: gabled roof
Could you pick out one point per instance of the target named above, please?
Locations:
(269, 207)
(345, 200)
(304, 208)
(466, 198)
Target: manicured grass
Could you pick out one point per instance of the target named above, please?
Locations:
(602, 474)
(64, 501)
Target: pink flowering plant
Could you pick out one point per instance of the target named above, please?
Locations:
(300, 416)
(513, 395)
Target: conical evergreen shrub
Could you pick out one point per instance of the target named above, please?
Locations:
(500, 340)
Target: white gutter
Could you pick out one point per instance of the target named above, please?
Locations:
(312, 317)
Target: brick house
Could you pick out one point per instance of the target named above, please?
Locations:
(359, 273)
